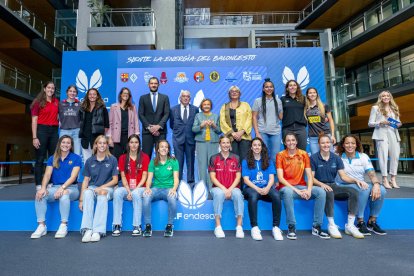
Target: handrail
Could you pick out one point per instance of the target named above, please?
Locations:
(313, 5)
(46, 32)
(123, 17)
(242, 18)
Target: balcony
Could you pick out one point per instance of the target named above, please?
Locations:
(126, 28)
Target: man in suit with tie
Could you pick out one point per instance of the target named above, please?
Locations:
(181, 122)
(154, 111)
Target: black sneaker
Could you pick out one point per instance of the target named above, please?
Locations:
(117, 230)
(363, 228)
(169, 232)
(291, 235)
(148, 231)
(374, 227)
(316, 231)
(137, 231)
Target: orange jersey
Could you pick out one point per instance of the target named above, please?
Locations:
(293, 166)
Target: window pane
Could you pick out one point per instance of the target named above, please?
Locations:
(392, 70)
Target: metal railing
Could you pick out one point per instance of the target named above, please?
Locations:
(241, 18)
(133, 17)
(20, 80)
(368, 19)
(313, 5)
(46, 32)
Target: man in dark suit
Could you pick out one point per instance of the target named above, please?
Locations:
(181, 122)
(154, 111)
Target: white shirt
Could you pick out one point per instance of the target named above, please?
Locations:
(356, 167)
(152, 98)
(182, 110)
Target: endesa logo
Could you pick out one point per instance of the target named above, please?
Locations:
(192, 201)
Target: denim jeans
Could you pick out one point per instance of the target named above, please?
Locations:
(288, 195)
(48, 138)
(160, 194)
(119, 195)
(364, 197)
(341, 193)
(64, 202)
(74, 133)
(273, 144)
(95, 222)
(252, 199)
(314, 145)
(219, 197)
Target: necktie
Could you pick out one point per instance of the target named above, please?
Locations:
(185, 115)
(154, 102)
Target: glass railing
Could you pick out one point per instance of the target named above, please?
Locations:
(368, 19)
(383, 79)
(133, 17)
(247, 18)
(65, 27)
(47, 33)
(20, 80)
(313, 5)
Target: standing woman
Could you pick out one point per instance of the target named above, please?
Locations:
(100, 176)
(267, 112)
(123, 122)
(207, 129)
(133, 167)
(62, 169)
(94, 121)
(319, 119)
(357, 164)
(69, 117)
(224, 169)
(258, 172)
(386, 135)
(162, 184)
(44, 109)
(236, 122)
(293, 120)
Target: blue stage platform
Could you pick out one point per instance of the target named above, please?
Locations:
(20, 216)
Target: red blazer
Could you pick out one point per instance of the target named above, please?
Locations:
(115, 122)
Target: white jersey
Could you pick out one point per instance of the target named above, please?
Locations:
(356, 167)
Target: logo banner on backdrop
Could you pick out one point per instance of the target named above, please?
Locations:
(207, 73)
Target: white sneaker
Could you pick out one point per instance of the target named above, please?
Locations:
(255, 232)
(218, 231)
(334, 232)
(239, 232)
(350, 229)
(41, 230)
(95, 237)
(277, 233)
(62, 231)
(87, 236)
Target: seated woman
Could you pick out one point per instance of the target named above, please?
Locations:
(134, 169)
(357, 164)
(258, 173)
(225, 176)
(162, 184)
(62, 169)
(325, 166)
(292, 164)
(100, 175)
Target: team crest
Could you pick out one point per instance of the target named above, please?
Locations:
(163, 78)
(198, 76)
(214, 76)
(124, 77)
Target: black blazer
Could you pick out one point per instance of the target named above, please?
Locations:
(148, 117)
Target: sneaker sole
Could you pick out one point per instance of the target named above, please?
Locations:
(136, 235)
(356, 237)
(381, 234)
(324, 238)
(335, 237)
(38, 237)
(291, 238)
(116, 235)
(60, 236)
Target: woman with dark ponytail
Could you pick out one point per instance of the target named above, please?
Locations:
(267, 112)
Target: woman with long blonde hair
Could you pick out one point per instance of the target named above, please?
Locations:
(385, 119)
(319, 117)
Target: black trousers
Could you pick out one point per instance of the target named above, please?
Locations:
(120, 148)
(149, 141)
(48, 138)
(186, 151)
(341, 193)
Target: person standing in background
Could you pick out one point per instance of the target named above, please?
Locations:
(44, 110)
(385, 119)
(123, 122)
(293, 120)
(69, 117)
(154, 112)
(181, 122)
